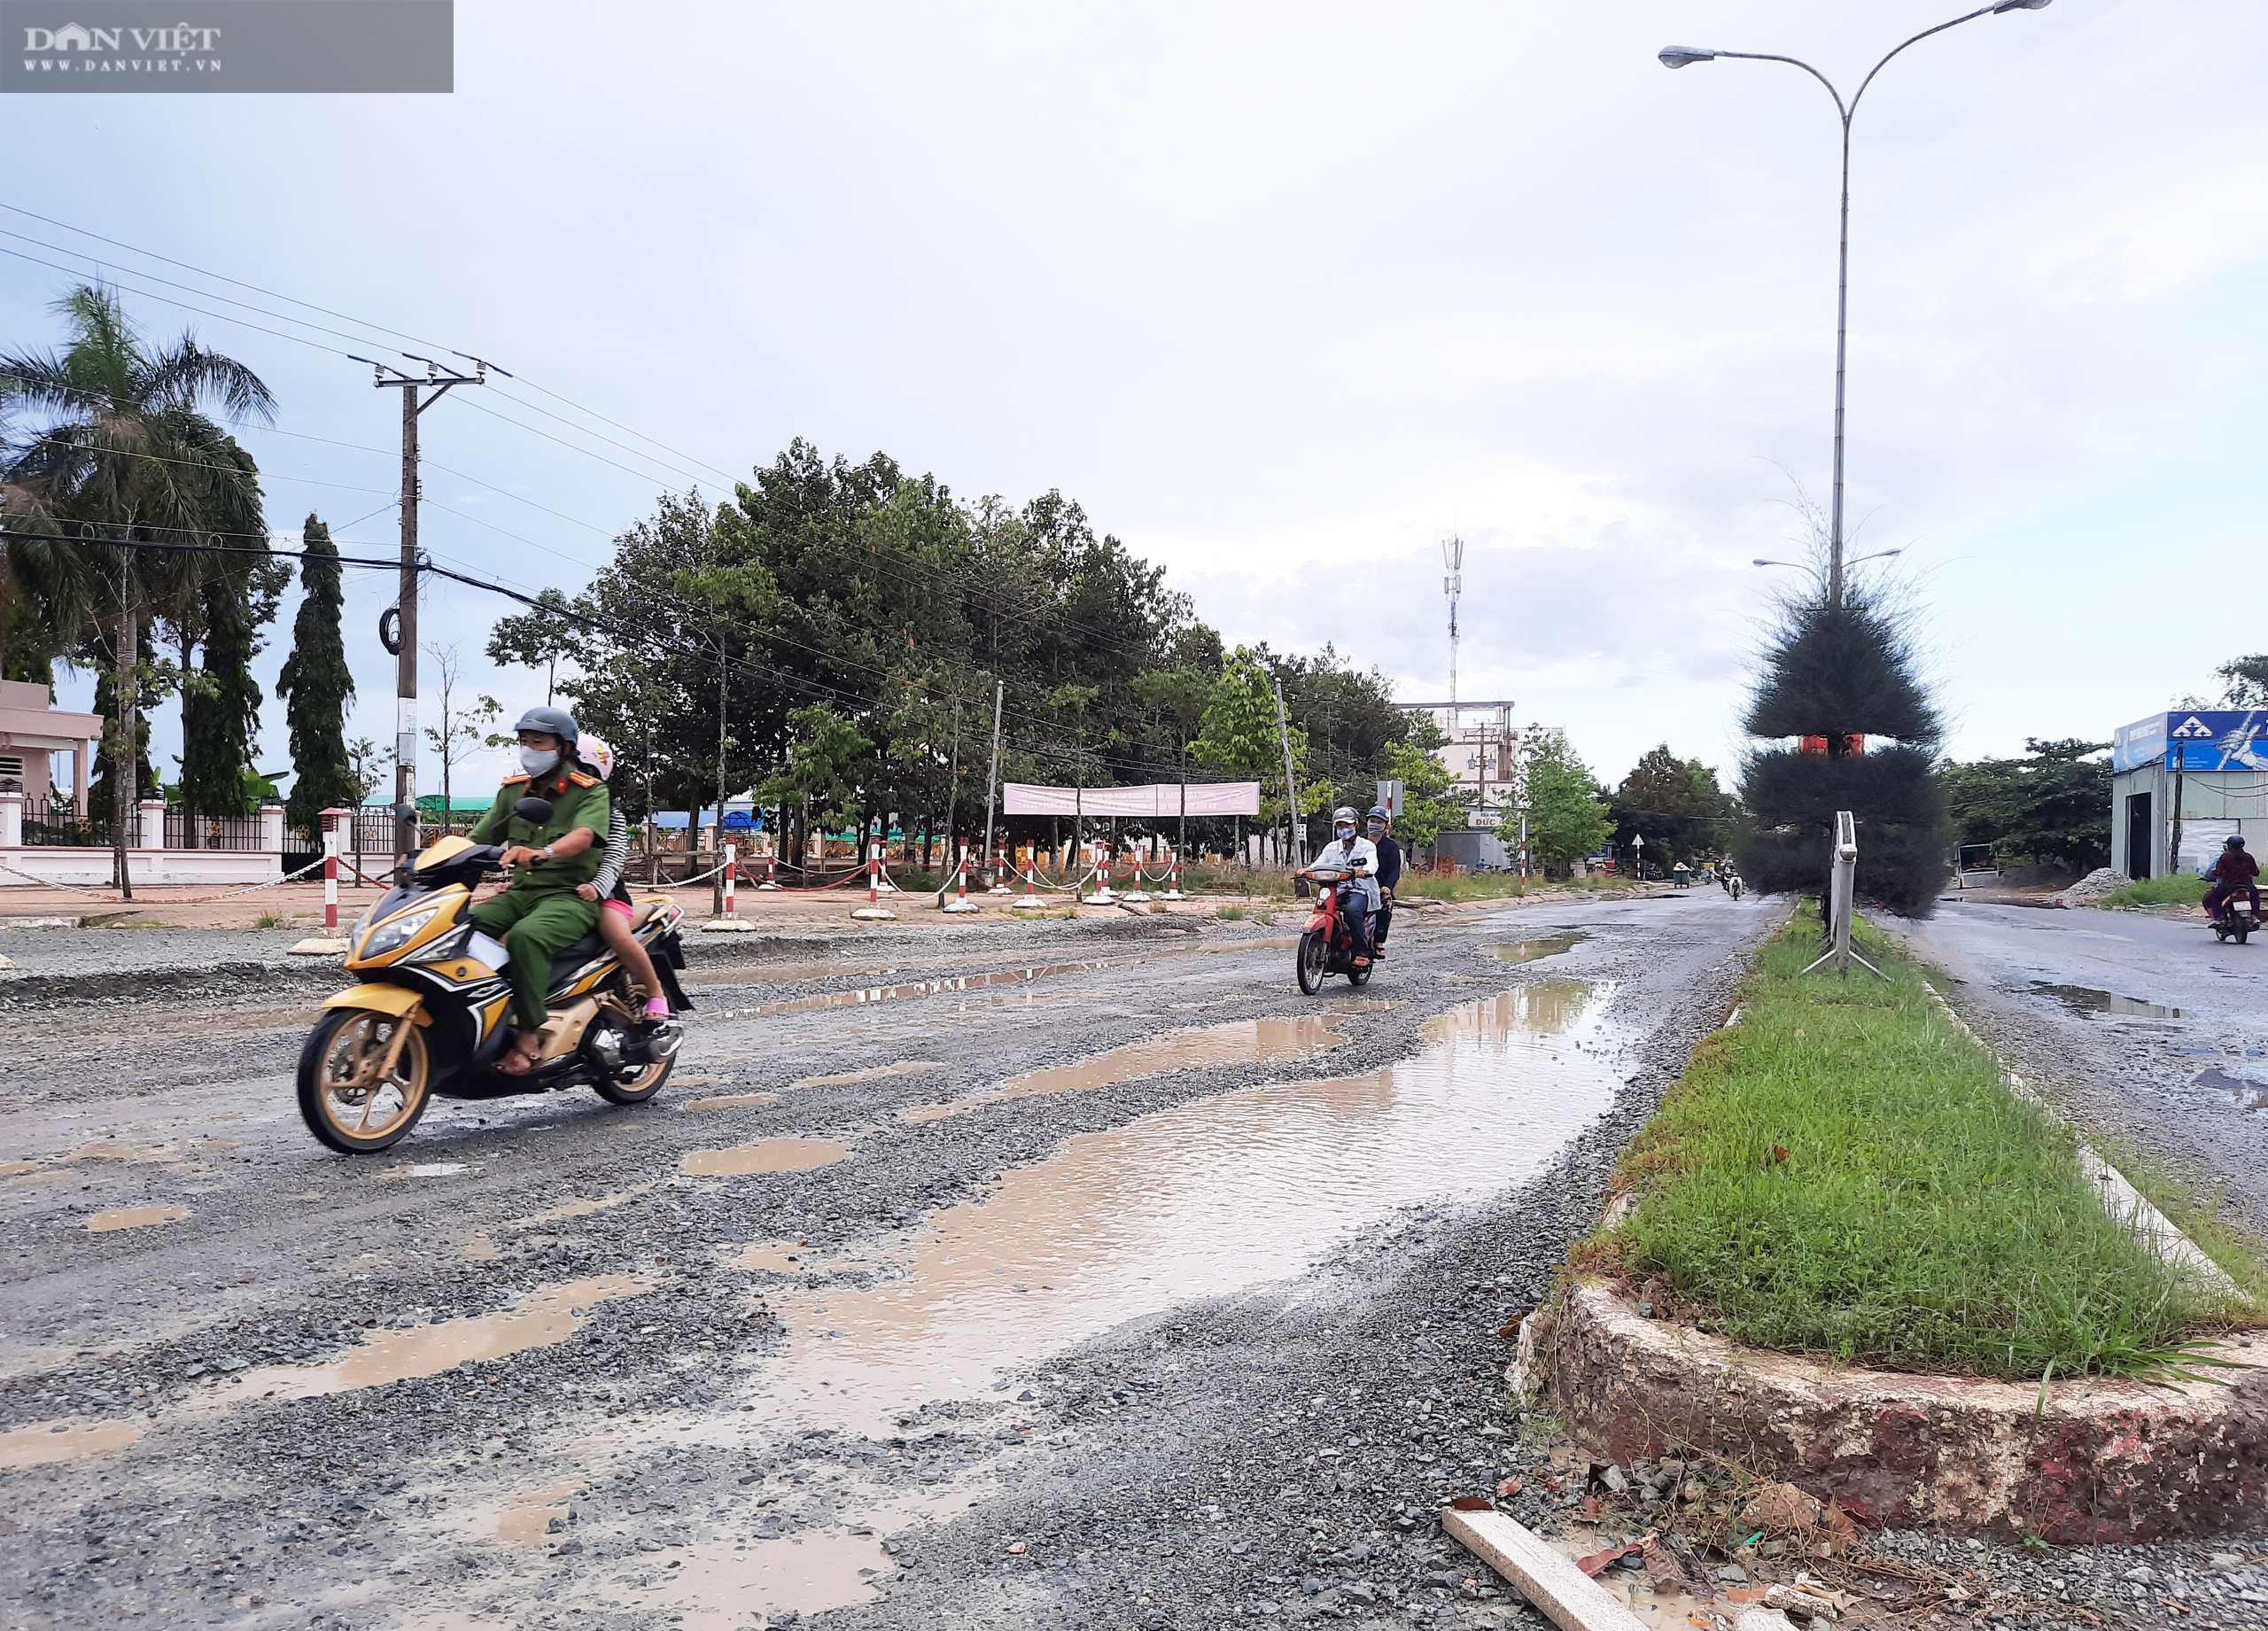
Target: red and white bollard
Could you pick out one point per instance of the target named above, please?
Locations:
(1173, 877)
(1029, 899)
(873, 908)
(330, 880)
(771, 874)
(1137, 895)
(732, 871)
(1103, 896)
(1003, 869)
(963, 904)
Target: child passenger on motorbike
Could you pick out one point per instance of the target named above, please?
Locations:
(2233, 870)
(618, 913)
(1350, 851)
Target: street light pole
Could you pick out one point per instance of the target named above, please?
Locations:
(1682, 56)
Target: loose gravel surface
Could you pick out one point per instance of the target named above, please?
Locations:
(2136, 1023)
(864, 1320)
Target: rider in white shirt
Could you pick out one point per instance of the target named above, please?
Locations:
(1350, 851)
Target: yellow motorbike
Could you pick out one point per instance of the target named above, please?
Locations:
(429, 1016)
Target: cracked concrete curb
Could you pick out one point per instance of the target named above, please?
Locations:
(2075, 1463)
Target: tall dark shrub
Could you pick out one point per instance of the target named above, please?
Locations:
(1839, 670)
(316, 684)
(220, 716)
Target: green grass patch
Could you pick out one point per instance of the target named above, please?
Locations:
(2181, 888)
(1844, 1174)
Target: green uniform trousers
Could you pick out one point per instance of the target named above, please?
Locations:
(535, 926)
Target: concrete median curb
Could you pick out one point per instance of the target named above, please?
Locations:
(2082, 1461)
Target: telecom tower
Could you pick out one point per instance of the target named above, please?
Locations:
(1452, 585)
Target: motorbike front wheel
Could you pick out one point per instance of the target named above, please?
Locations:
(1314, 952)
(347, 1097)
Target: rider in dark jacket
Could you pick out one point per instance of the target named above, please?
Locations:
(2233, 870)
(1389, 874)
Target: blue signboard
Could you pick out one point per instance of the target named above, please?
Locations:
(2204, 739)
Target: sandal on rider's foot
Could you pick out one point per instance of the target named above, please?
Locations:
(1361, 962)
(514, 1055)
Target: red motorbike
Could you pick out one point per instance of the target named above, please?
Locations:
(1328, 946)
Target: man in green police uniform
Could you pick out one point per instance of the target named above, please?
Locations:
(541, 915)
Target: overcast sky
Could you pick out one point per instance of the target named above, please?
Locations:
(1284, 295)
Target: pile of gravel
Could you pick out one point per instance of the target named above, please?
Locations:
(2093, 888)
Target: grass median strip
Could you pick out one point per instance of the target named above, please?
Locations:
(1845, 1173)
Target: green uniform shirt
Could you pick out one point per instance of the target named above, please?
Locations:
(577, 799)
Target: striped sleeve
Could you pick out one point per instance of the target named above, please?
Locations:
(618, 856)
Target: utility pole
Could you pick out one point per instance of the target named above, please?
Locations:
(435, 384)
(1290, 787)
(993, 775)
(1452, 585)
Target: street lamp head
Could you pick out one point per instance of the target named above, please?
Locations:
(1678, 56)
(1771, 563)
(2020, 6)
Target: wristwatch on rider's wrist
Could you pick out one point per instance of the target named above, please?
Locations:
(548, 855)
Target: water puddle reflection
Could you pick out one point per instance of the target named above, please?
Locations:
(1200, 1199)
(551, 1314)
(772, 1156)
(2085, 1000)
(136, 1218)
(50, 1441)
(2241, 1092)
(1240, 1042)
(1550, 945)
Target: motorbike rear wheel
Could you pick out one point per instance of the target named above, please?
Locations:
(1315, 951)
(345, 1100)
(1359, 977)
(638, 1089)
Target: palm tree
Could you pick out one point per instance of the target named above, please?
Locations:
(131, 458)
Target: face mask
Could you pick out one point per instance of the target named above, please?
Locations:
(1378, 829)
(536, 761)
(1346, 835)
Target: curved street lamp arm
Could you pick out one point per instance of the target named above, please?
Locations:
(1966, 17)
(1841, 111)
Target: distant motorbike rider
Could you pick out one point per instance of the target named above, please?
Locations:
(2233, 870)
(1380, 831)
(1349, 852)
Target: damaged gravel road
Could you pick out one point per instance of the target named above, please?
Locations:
(1142, 1292)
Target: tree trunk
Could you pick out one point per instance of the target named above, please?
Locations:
(7, 603)
(124, 792)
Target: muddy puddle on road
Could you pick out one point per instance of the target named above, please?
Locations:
(1232, 1192)
(42, 1442)
(2085, 1000)
(550, 1315)
(136, 1218)
(1257, 1042)
(1547, 945)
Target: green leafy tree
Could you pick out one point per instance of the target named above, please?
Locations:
(1239, 733)
(2051, 805)
(316, 686)
(820, 775)
(220, 711)
(1427, 789)
(537, 638)
(1566, 818)
(130, 455)
(1675, 804)
(2244, 681)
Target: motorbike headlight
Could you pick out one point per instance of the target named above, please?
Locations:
(393, 935)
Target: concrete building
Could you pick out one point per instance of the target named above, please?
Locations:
(2203, 770)
(34, 734)
(1483, 756)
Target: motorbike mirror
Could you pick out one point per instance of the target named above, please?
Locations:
(535, 812)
